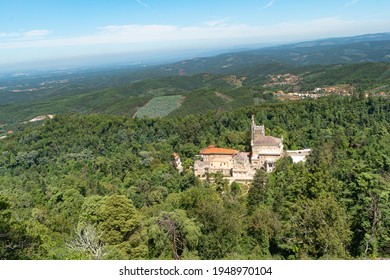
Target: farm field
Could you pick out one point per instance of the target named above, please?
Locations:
(160, 106)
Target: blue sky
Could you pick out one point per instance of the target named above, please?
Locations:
(63, 29)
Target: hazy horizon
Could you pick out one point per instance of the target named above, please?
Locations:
(127, 59)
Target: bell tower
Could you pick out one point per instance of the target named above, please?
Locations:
(257, 131)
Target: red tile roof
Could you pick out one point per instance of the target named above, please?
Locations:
(212, 150)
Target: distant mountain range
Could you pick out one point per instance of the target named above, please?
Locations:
(364, 48)
(222, 82)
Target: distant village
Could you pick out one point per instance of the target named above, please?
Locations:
(288, 79)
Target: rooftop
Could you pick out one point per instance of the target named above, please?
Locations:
(212, 150)
(267, 141)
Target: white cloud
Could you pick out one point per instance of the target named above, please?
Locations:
(136, 38)
(142, 3)
(136, 30)
(27, 35)
(7, 35)
(36, 33)
(212, 31)
(350, 3)
(217, 22)
(269, 4)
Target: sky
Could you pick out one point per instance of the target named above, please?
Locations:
(57, 30)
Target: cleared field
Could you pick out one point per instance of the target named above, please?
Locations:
(160, 106)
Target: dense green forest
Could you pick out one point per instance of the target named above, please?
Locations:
(197, 93)
(103, 187)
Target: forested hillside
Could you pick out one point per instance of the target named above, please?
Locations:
(198, 93)
(103, 187)
(360, 62)
(366, 48)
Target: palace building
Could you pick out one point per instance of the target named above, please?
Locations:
(265, 151)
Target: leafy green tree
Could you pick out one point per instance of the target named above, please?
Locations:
(15, 241)
(263, 228)
(118, 223)
(172, 234)
(65, 207)
(371, 207)
(118, 219)
(317, 228)
(257, 193)
(221, 220)
(146, 192)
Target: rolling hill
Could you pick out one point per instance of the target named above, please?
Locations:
(366, 48)
(221, 82)
(201, 93)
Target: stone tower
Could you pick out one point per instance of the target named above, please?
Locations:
(257, 131)
(265, 149)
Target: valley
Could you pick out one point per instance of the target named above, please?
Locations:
(200, 92)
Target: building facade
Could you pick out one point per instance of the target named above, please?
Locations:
(266, 150)
(214, 160)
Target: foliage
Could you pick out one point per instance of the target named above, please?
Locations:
(124, 95)
(171, 234)
(99, 186)
(15, 240)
